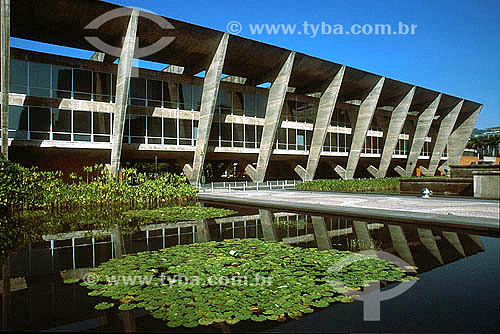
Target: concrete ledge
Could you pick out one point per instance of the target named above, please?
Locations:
(467, 170)
(486, 184)
(438, 185)
(487, 225)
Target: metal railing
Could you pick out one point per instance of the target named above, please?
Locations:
(229, 186)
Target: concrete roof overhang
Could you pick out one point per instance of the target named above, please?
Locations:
(63, 23)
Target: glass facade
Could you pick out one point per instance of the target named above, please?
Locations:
(57, 81)
(402, 146)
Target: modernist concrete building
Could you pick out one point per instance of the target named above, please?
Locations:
(316, 118)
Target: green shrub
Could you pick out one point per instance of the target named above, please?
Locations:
(355, 185)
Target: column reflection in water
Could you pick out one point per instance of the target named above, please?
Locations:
(268, 226)
(400, 243)
(323, 240)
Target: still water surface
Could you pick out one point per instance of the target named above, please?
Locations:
(458, 288)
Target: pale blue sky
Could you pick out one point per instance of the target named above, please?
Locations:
(456, 48)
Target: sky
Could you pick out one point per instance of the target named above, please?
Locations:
(455, 48)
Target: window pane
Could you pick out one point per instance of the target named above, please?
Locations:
(39, 119)
(249, 105)
(39, 76)
(81, 121)
(137, 125)
(170, 94)
(154, 93)
(102, 86)
(225, 133)
(154, 126)
(237, 103)
(260, 104)
(185, 95)
(61, 120)
(138, 91)
(238, 135)
(101, 123)
(82, 84)
(18, 76)
(197, 90)
(223, 99)
(18, 121)
(62, 78)
(170, 131)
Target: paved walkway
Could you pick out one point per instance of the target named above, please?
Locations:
(454, 210)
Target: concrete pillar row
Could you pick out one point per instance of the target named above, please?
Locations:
(208, 102)
(5, 70)
(124, 73)
(423, 125)
(460, 136)
(326, 108)
(362, 124)
(275, 101)
(445, 128)
(398, 118)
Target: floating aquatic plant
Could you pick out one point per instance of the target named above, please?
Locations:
(235, 280)
(173, 214)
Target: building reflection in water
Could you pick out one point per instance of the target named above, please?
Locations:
(44, 263)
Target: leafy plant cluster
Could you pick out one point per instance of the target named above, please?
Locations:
(299, 281)
(34, 202)
(355, 185)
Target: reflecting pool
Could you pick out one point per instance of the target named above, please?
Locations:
(458, 269)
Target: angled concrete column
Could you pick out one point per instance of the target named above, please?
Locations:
(427, 239)
(122, 89)
(5, 54)
(396, 124)
(401, 244)
(477, 240)
(326, 107)
(453, 239)
(363, 122)
(423, 125)
(362, 234)
(275, 100)
(268, 227)
(445, 128)
(208, 101)
(323, 240)
(460, 136)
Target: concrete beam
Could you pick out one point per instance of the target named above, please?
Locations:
(5, 72)
(174, 69)
(398, 118)
(122, 89)
(275, 100)
(441, 140)
(363, 122)
(423, 125)
(208, 101)
(103, 57)
(301, 172)
(460, 136)
(326, 107)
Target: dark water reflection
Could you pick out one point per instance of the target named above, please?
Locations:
(458, 290)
